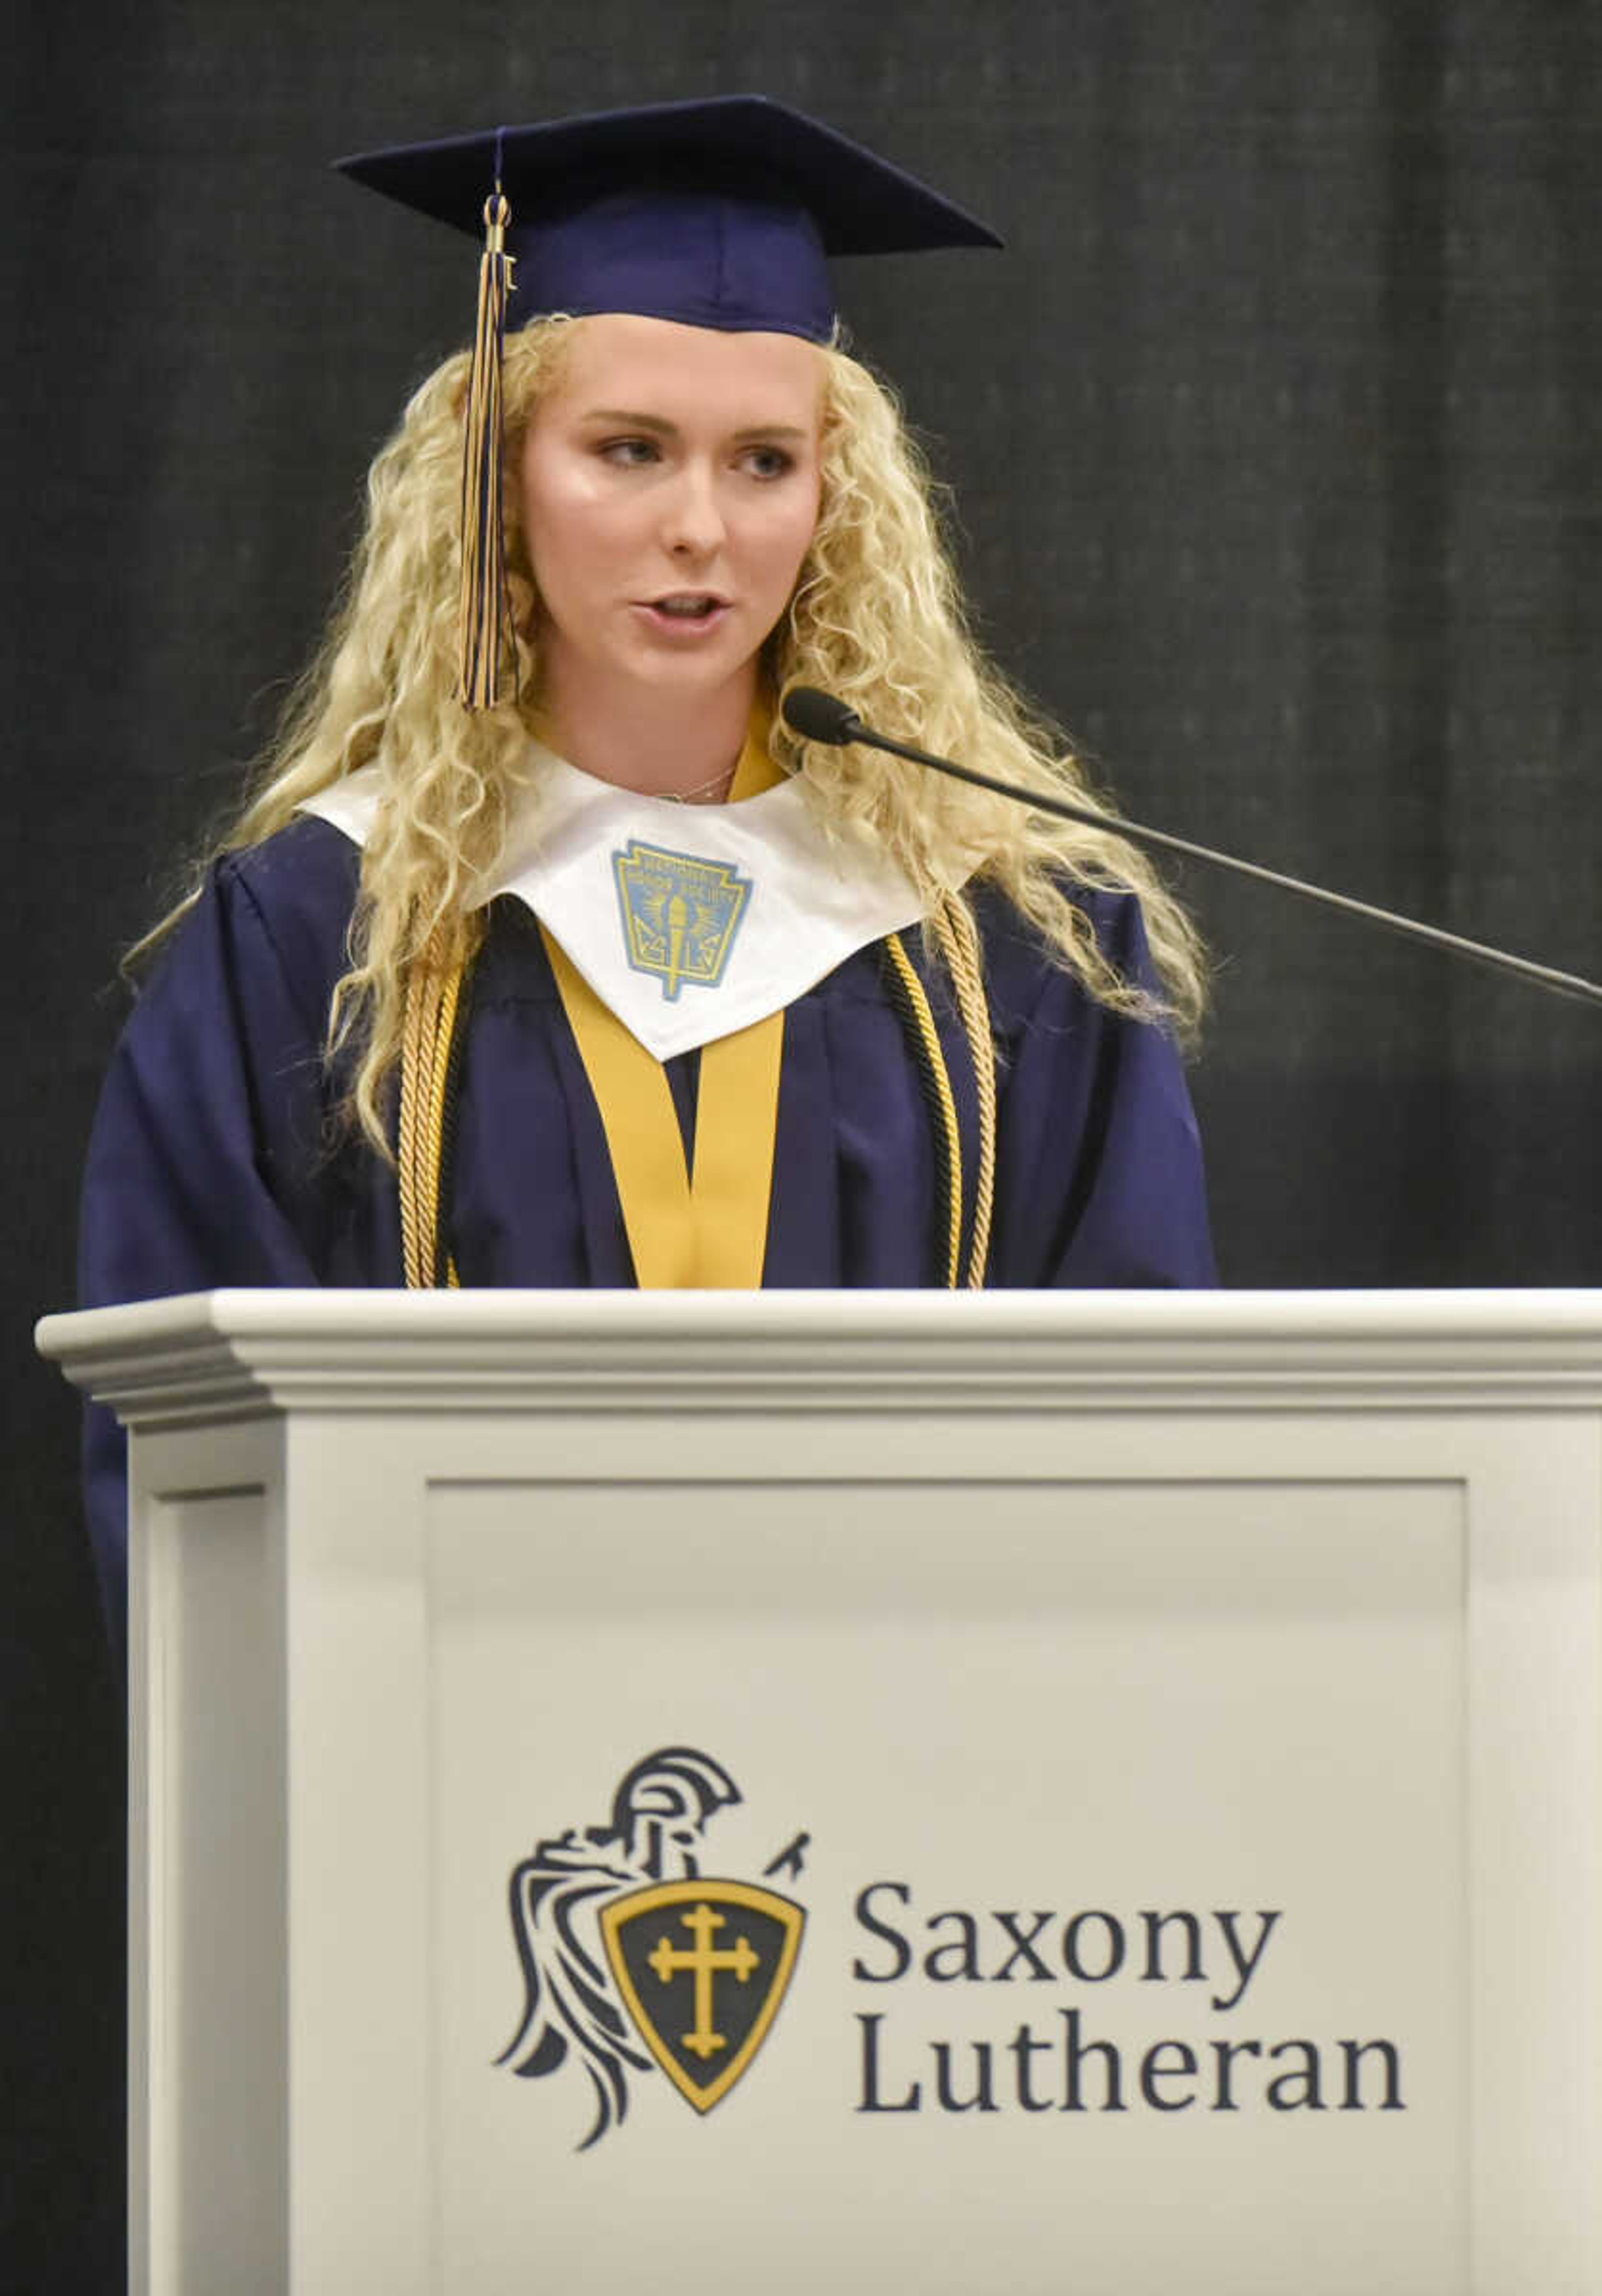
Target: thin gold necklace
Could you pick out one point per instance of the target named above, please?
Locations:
(708, 792)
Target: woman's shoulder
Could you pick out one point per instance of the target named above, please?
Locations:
(279, 912)
(306, 870)
(1114, 910)
(1020, 963)
(297, 889)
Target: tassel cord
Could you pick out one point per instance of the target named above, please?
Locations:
(485, 616)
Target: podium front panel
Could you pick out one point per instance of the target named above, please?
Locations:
(1125, 1817)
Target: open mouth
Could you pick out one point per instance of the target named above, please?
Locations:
(689, 606)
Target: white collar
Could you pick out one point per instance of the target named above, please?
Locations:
(690, 922)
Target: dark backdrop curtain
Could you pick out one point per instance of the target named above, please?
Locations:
(1275, 447)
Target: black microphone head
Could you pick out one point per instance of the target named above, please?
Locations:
(818, 716)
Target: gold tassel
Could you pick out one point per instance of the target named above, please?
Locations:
(484, 616)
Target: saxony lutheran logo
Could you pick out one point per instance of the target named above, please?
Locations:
(632, 1957)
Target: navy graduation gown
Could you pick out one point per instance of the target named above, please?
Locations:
(215, 1161)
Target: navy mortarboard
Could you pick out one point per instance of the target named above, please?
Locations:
(716, 214)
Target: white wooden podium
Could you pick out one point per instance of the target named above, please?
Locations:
(1173, 1725)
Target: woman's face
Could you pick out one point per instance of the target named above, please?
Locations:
(669, 493)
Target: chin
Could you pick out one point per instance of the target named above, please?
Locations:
(694, 672)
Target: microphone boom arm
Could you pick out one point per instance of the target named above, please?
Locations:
(1497, 960)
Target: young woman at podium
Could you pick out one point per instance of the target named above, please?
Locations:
(544, 953)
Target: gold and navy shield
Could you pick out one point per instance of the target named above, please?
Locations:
(680, 914)
(702, 1966)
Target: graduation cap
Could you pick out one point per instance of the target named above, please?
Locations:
(715, 214)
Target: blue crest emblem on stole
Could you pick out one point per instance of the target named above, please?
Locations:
(680, 914)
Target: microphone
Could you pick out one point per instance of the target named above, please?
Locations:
(825, 718)
(818, 716)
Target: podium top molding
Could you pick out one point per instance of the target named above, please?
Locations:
(237, 1353)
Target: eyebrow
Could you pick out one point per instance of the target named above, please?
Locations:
(626, 419)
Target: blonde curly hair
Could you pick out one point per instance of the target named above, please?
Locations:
(877, 617)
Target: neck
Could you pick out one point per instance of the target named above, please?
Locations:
(639, 739)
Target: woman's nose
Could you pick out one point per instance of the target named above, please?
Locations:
(695, 520)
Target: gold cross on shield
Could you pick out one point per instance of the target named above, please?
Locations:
(703, 2009)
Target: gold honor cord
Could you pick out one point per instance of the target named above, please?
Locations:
(932, 1061)
(429, 1030)
(954, 929)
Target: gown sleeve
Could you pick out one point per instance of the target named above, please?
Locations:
(208, 1141)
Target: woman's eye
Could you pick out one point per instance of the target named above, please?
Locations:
(628, 452)
(768, 462)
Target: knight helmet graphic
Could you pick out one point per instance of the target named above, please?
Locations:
(633, 1958)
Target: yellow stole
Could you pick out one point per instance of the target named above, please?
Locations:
(704, 1229)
